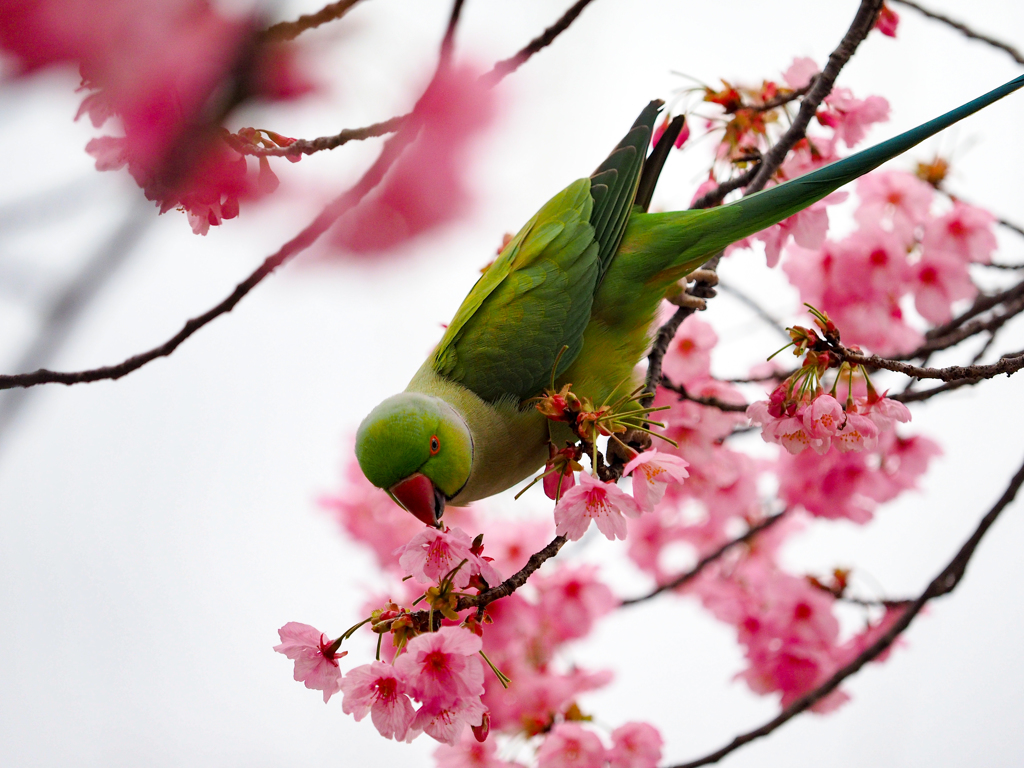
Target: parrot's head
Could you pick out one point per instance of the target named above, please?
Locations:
(418, 449)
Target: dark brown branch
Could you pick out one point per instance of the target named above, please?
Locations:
(709, 402)
(717, 195)
(1007, 364)
(289, 30)
(516, 580)
(926, 394)
(705, 561)
(1010, 225)
(510, 65)
(942, 584)
(964, 29)
(1012, 307)
(981, 304)
(448, 42)
(297, 244)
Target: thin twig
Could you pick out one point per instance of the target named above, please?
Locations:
(705, 561)
(715, 196)
(981, 304)
(942, 584)
(510, 65)
(309, 146)
(1008, 364)
(516, 580)
(289, 30)
(1012, 307)
(709, 402)
(964, 29)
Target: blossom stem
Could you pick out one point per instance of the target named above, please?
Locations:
(502, 677)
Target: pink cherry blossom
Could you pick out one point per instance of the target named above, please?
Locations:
(512, 545)
(887, 21)
(790, 433)
(369, 516)
(316, 666)
(885, 412)
(807, 228)
(557, 483)
(594, 500)
(823, 418)
(965, 232)
(800, 72)
(898, 199)
(652, 471)
(569, 745)
(850, 117)
(939, 280)
(446, 723)
(378, 688)
(635, 745)
(442, 667)
(431, 554)
(470, 753)
(859, 433)
(572, 599)
(689, 355)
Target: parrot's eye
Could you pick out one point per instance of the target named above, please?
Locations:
(435, 445)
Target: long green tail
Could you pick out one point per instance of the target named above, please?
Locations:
(688, 238)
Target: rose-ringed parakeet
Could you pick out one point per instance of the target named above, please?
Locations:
(571, 299)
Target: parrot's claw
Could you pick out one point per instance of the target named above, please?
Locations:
(683, 299)
(706, 276)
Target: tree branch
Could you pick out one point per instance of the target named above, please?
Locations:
(516, 580)
(705, 561)
(510, 65)
(309, 146)
(289, 30)
(964, 29)
(1008, 364)
(708, 402)
(943, 584)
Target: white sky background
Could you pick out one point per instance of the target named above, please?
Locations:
(156, 531)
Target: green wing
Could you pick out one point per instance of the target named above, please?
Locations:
(536, 297)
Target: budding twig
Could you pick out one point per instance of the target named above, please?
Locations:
(707, 560)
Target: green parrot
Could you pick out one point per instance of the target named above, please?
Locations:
(572, 299)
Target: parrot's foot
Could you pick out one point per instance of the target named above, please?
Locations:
(683, 299)
(704, 280)
(706, 276)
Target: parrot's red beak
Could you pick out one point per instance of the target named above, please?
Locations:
(419, 495)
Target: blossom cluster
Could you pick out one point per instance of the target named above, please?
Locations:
(905, 246)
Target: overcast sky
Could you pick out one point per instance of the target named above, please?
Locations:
(156, 531)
